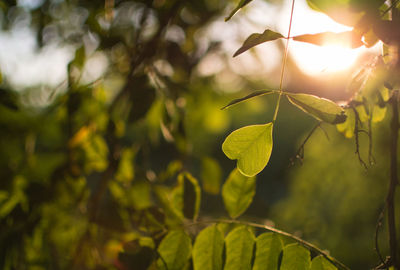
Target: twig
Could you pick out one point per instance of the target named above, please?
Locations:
(356, 131)
(378, 226)
(393, 180)
(300, 152)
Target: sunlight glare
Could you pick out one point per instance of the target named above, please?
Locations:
(313, 59)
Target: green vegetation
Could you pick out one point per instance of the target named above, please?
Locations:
(126, 170)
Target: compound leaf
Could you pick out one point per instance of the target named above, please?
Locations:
(295, 257)
(239, 249)
(175, 250)
(208, 249)
(320, 263)
(268, 249)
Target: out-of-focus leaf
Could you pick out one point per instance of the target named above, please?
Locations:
(295, 257)
(211, 175)
(268, 249)
(126, 171)
(387, 31)
(8, 99)
(241, 4)
(338, 10)
(239, 249)
(175, 250)
(251, 146)
(321, 108)
(256, 39)
(208, 249)
(378, 114)
(140, 195)
(252, 95)
(347, 39)
(238, 192)
(370, 39)
(320, 263)
(347, 127)
(187, 195)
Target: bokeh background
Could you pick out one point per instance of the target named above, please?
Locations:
(102, 102)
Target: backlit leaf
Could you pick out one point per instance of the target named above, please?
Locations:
(238, 192)
(208, 249)
(347, 39)
(256, 39)
(295, 257)
(320, 263)
(175, 250)
(347, 127)
(252, 95)
(186, 195)
(321, 108)
(251, 146)
(239, 249)
(268, 249)
(211, 175)
(241, 4)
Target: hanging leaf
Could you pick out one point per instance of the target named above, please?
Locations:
(251, 146)
(321, 108)
(186, 195)
(238, 192)
(268, 249)
(295, 257)
(347, 39)
(239, 249)
(211, 175)
(256, 39)
(208, 249)
(320, 263)
(347, 127)
(175, 250)
(252, 95)
(241, 4)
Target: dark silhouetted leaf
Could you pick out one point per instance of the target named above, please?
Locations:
(175, 250)
(321, 108)
(347, 39)
(238, 192)
(239, 249)
(249, 96)
(295, 257)
(241, 4)
(208, 249)
(255, 39)
(187, 195)
(268, 249)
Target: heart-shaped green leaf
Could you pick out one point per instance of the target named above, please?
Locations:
(255, 39)
(251, 146)
(321, 108)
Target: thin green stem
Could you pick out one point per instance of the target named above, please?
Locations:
(284, 65)
(286, 234)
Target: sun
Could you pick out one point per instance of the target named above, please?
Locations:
(313, 59)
